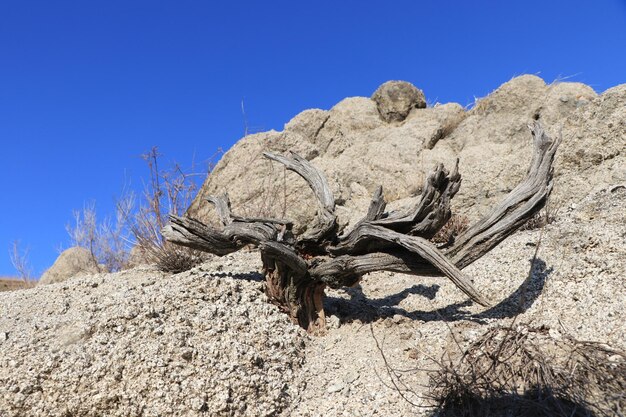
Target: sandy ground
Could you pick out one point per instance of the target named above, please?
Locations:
(146, 343)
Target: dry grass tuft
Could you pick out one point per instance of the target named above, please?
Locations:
(168, 257)
(547, 215)
(168, 192)
(527, 371)
(454, 227)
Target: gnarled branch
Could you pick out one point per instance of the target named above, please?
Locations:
(326, 220)
(517, 207)
(297, 269)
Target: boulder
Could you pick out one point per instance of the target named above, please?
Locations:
(396, 99)
(352, 145)
(70, 263)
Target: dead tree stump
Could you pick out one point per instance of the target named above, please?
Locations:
(298, 268)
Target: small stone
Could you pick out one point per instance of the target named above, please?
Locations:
(397, 319)
(555, 334)
(187, 355)
(333, 322)
(350, 377)
(335, 386)
(406, 335)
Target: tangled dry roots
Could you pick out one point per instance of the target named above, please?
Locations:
(526, 371)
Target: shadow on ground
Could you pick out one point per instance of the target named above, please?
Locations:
(367, 310)
(248, 276)
(532, 403)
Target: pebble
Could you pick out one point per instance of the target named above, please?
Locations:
(335, 386)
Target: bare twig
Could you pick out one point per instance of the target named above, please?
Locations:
(19, 259)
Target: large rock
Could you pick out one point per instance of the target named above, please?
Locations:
(350, 143)
(396, 99)
(493, 142)
(70, 263)
(357, 150)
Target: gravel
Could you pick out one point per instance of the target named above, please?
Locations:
(139, 342)
(206, 342)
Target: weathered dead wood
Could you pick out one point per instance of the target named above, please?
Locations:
(429, 214)
(325, 226)
(421, 248)
(222, 207)
(432, 210)
(298, 268)
(517, 207)
(196, 235)
(377, 205)
(237, 233)
(289, 285)
(510, 214)
(346, 270)
(189, 232)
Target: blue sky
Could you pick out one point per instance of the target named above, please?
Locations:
(87, 86)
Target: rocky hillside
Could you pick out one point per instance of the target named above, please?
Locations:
(358, 148)
(206, 342)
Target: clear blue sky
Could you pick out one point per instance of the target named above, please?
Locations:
(87, 86)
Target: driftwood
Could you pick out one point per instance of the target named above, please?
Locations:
(298, 268)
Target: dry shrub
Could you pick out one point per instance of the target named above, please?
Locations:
(19, 259)
(106, 241)
(134, 236)
(527, 371)
(453, 227)
(168, 192)
(168, 257)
